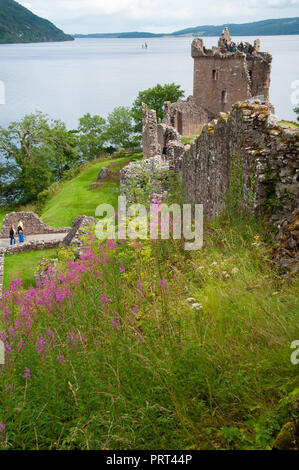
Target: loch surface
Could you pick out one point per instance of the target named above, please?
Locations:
(67, 80)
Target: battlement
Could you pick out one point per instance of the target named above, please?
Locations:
(223, 75)
(228, 73)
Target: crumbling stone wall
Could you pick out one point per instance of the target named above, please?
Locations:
(79, 229)
(244, 157)
(150, 143)
(159, 134)
(33, 225)
(185, 116)
(222, 76)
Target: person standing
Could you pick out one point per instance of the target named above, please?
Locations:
(21, 232)
(12, 235)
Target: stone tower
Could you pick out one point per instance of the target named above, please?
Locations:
(229, 73)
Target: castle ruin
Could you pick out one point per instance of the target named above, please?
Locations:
(223, 75)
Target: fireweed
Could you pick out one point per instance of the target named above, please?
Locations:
(109, 353)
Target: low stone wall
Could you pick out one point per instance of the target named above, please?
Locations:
(34, 245)
(22, 248)
(33, 225)
(79, 229)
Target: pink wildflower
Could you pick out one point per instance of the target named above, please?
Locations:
(61, 359)
(105, 300)
(27, 374)
(116, 323)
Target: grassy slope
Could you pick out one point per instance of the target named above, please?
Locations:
(2, 215)
(76, 198)
(290, 124)
(23, 266)
(172, 377)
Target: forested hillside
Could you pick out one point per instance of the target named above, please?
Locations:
(18, 25)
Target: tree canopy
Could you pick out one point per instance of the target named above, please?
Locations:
(155, 98)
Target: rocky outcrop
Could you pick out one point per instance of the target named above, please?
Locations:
(33, 225)
(288, 438)
(104, 173)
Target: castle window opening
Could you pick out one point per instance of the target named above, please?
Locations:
(215, 74)
(224, 97)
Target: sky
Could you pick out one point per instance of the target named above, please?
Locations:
(157, 16)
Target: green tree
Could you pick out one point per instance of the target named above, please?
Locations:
(34, 152)
(92, 136)
(296, 110)
(155, 98)
(120, 129)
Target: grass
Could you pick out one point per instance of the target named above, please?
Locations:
(291, 124)
(189, 139)
(75, 198)
(156, 348)
(2, 215)
(23, 265)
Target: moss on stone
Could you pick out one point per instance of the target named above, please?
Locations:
(288, 438)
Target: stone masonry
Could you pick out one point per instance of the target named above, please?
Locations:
(245, 156)
(150, 143)
(160, 134)
(222, 76)
(33, 225)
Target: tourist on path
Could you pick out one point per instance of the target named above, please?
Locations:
(21, 232)
(12, 235)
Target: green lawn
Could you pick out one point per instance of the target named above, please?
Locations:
(2, 215)
(23, 265)
(75, 198)
(290, 124)
(189, 139)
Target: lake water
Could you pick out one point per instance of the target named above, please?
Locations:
(67, 80)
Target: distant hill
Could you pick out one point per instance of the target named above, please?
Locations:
(283, 26)
(276, 27)
(18, 25)
(120, 35)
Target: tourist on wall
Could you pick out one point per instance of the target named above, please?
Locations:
(12, 235)
(21, 232)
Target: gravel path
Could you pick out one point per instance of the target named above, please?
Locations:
(5, 242)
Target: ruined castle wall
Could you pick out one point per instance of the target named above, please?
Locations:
(150, 142)
(220, 80)
(261, 73)
(244, 158)
(185, 116)
(33, 225)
